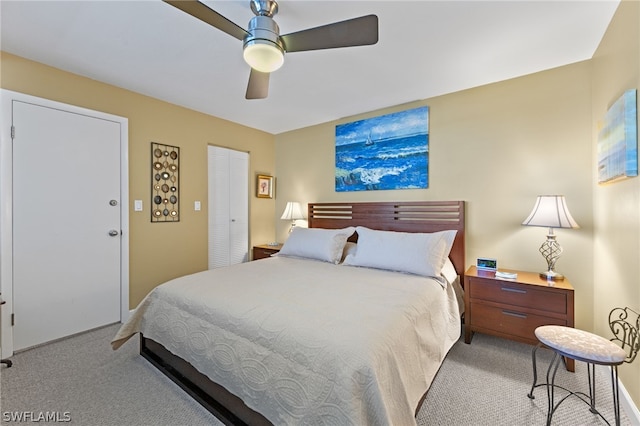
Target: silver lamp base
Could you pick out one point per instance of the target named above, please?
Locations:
(551, 276)
(551, 251)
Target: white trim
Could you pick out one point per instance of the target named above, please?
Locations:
(124, 217)
(626, 402)
(628, 406)
(6, 224)
(6, 206)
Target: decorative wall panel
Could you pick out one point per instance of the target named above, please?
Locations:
(165, 183)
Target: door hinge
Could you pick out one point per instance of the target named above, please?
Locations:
(13, 132)
(13, 319)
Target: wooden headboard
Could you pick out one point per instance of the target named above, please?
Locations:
(410, 216)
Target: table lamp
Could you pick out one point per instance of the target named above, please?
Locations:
(292, 212)
(551, 211)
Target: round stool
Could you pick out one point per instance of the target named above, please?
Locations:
(582, 346)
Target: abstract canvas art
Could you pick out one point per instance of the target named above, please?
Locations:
(385, 152)
(618, 140)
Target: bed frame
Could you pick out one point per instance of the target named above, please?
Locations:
(417, 216)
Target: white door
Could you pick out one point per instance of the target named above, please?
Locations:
(239, 207)
(228, 207)
(66, 223)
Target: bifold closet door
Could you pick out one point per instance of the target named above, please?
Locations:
(228, 207)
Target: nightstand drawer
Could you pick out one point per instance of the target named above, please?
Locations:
(518, 295)
(265, 250)
(509, 321)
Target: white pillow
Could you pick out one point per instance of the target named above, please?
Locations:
(317, 243)
(415, 253)
(449, 271)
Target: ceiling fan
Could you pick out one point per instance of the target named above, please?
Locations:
(264, 47)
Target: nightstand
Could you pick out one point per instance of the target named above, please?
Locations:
(512, 309)
(265, 250)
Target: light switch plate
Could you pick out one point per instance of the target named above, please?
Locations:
(197, 206)
(137, 205)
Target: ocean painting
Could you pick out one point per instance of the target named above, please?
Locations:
(386, 152)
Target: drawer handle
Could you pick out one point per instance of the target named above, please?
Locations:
(514, 290)
(514, 314)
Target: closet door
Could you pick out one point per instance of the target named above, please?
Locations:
(219, 217)
(228, 207)
(238, 207)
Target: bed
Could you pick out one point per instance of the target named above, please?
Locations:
(295, 339)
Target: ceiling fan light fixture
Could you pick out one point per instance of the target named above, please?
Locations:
(263, 55)
(263, 50)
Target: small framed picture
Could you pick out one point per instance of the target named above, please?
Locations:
(264, 186)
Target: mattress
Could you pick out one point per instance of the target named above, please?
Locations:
(307, 342)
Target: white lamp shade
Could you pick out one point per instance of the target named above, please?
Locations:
(551, 211)
(292, 211)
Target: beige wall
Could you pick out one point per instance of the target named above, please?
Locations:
(616, 68)
(158, 251)
(497, 147)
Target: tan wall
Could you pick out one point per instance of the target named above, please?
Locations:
(158, 251)
(616, 68)
(497, 147)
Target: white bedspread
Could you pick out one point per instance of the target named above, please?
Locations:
(307, 342)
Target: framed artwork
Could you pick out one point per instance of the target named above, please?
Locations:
(264, 186)
(618, 140)
(165, 183)
(386, 152)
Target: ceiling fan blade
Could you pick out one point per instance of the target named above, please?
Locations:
(210, 16)
(352, 32)
(258, 87)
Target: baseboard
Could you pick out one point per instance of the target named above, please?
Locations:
(627, 404)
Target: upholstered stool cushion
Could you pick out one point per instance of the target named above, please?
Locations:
(580, 345)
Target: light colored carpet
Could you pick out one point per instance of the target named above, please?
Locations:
(97, 386)
(485, 383)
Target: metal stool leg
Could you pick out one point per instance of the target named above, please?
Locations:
(535, 371)
(551, 379)
(616, 395)
(591, 373)
(591, 401)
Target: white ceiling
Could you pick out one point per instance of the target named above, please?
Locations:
(426, 48)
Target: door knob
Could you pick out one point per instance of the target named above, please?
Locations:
(113, 233)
